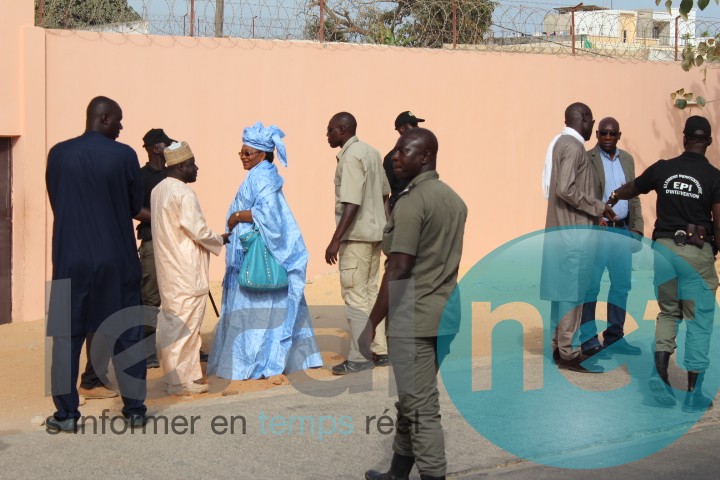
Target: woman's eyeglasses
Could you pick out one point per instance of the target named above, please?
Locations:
(244, 153)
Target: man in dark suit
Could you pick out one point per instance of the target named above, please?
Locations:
(95, 189)
(612, 168)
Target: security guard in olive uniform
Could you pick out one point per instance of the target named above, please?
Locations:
(423, 241)
(687, 228)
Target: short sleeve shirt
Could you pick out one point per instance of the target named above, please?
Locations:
(687, 187)
(428, 222)
(360, 180)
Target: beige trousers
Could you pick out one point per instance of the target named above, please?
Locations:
(179, 340)
(564, 328)
(359, 265)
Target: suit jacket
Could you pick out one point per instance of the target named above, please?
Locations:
(627, 163)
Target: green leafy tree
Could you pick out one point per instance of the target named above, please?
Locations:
(71, 14)
(414, 23)
(686, 5)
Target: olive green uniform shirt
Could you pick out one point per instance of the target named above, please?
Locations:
(360, 179)
(428, 222)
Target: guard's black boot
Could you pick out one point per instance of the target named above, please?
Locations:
(429, 477)
(399, 469)
(659, 383)
(695, 401)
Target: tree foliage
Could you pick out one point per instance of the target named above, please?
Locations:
(686, 5)
(413, 23)
(71, 14)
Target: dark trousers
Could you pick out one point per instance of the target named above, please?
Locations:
(419, 433)
(90, 377)
(66, 365)
(613, 254)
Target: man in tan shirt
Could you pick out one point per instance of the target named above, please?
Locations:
(360, 191)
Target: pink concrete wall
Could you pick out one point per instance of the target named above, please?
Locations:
(15, 14)
(493, 114)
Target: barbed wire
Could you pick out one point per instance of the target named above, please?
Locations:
(503, 26)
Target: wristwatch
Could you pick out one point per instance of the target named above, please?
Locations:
(612, 200)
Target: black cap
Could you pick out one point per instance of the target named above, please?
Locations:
(407, 117)
(155, 136)
(696, 124)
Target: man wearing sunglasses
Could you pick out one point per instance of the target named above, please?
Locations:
(612, 168)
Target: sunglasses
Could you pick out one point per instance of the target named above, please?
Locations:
(612, 133)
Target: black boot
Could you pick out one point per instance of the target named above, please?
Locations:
(695, 401)
(429, 477)
(659, 383)
(399, 469)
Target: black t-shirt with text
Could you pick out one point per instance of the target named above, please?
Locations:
(687, 187)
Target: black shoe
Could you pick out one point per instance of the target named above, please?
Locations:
(695, 401)
(622, 347)
(574, 365)
(381, 360)
(135, 420)
(430, 477)
(204, 356)
(351, 367)
(53, 425)
(153, 362)
(592, 351)
(399, 469)
(659, 382)
(556, 355)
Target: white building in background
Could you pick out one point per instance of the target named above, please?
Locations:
(644, 29)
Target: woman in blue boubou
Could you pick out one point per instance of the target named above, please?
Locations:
(268, 331)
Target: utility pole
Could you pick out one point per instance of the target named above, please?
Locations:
(219, 17)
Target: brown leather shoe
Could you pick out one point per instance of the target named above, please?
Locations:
(574, 365)
(96, 393)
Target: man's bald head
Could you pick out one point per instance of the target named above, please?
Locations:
(578, 116)
(425, 138)
(415, 153)
(346, 120)
(103, 116)
(341, 128)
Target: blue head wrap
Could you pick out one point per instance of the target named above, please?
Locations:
(266, 139)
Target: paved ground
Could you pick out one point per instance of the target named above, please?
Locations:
(337, 440)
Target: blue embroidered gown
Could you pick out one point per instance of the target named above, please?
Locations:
(261, 334)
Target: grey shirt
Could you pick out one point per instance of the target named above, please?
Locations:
(428, 222)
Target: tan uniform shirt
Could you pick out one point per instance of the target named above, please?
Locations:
(360, 179)
(182, 240)
(428, 223)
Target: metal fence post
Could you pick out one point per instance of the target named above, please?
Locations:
(41, 12)
(677, 22)
(321, 28)
(455, 30)
(219, 17)
(192, 18)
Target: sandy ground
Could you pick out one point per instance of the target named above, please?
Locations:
(23, 401)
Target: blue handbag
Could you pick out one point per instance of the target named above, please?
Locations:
(259, 270)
